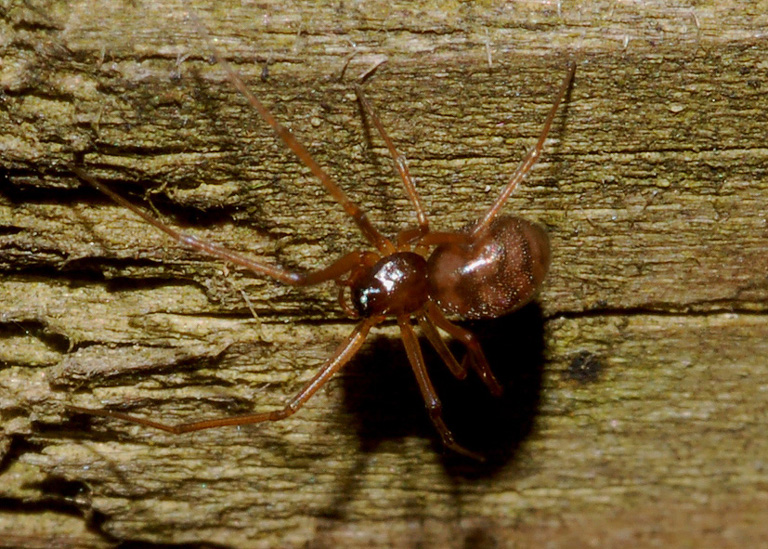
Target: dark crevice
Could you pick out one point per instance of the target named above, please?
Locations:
(128, 150)
(55, 502)
(666, 150)
(80, 273)
(35, 27)
(149, 545)
(689, 310)
(18, 447)
(70, 498)
(46, 92)
(10, 230)
(57, 494)
(51, 275)
(178, 215)
(39, 330)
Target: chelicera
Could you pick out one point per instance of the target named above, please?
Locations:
(489, 269)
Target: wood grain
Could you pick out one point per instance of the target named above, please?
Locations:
(637, 388)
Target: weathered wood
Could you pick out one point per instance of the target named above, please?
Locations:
(636, 399)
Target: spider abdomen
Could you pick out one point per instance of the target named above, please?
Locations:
(497, 274)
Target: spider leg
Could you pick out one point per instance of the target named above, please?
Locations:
(434, 407)
(434, 337)
(475, 351)
(400, 164)
(332, 272)
(353, 210)
(340, 357)
(529, 160)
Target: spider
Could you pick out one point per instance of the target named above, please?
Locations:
(486, 270)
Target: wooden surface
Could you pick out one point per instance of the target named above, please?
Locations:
(637, 387)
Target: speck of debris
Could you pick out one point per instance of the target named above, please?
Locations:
(584, 368)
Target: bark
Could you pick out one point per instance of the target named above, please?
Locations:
(635, 398)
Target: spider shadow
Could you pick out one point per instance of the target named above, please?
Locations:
(381, 393)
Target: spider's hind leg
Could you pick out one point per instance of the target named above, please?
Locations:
(434, 407)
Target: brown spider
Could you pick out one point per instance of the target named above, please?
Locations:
(484, 271)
